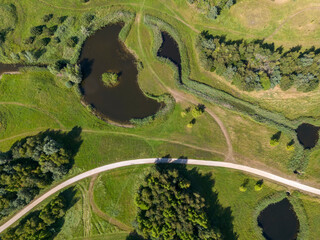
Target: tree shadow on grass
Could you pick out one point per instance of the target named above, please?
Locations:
(69, 195)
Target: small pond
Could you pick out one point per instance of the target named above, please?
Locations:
(308, 135)
(104, 52)
(8, 68)
(170, 49)
(279, 221)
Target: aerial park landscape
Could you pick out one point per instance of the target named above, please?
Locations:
(180, 119)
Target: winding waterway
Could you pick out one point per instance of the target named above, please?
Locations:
(104, 52)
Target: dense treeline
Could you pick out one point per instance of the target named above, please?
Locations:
(168, 208)
(212, 8)
(256, 65)
(42, 224)
(32, 164)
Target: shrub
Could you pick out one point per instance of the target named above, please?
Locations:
(47, 18)
(37, 30)
(290, 145)
(258, 185)
(69, 84)
(72, 41)
(274, 141)
(29, 40)
(110, 79)
(44, 42)
(183, 114)
(243, 188)
(198, 111)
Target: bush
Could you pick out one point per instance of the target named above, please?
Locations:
(37, 30)
(44, 42)
(47, 18)
(69, 84)
(290, 145)
(198, 111)
(29, 40)
(258, 185)
(72, 41)
(274, 141)
(110, 79)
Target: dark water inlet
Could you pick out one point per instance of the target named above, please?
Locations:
(170, 49)
(308, 135)
(8, 68)
(279, 221)
(104, 52)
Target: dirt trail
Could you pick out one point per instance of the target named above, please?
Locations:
(34, 108)
(179, 96)
(288, 18)
(102, 214)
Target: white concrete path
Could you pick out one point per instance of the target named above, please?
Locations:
(257, 172)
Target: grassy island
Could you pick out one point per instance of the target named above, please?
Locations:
(110, 79)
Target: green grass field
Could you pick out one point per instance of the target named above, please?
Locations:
(114, 193)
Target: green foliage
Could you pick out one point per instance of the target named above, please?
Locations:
(243, 187)
(110, 79)
(256, 65)
(36, 31)
(40, 224)
(290, 145)
(48, 17)
(32, 164)
(258, 186)
(212, 8)
(168, 208)
(274, 141)
(198, 111)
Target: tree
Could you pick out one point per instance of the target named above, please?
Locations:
(168, 208)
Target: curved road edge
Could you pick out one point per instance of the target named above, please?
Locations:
(111, 166)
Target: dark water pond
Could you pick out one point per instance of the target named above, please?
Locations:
(279, 221)
(8, 68)
(308, 135)
(104, 52)
(170, 49)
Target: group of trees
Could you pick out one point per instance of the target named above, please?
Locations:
(40, 224)
(72, 72)
(212, 8)
(256, 65)
(31, 164)
(169, 208)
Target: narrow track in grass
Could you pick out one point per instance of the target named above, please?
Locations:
(34, 108)
(263, 174)
(102, 214)
(120, 134)
(288, 18)
(181, 96)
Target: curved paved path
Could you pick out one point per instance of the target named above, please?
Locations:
(260, 173)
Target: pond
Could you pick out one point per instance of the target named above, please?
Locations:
(308, 135)
(8, 68)
(104, 52)
(170, 49)
(279, 221)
